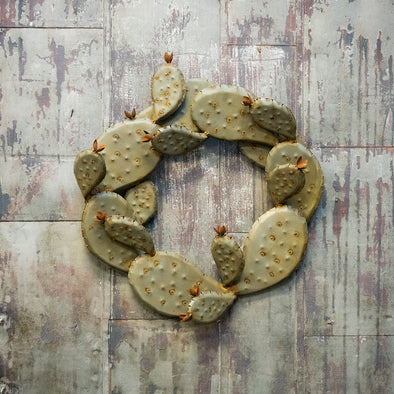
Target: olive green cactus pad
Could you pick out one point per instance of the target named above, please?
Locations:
(143, 201)
(308, 198)
(129, 232)
(228, 257)
(274, 116)
(168, 90)
(255, 152)
(165, 280)
(183, 116)
(274, 247)
(89, 170)
(97, 239)
(146, 113)
(220, 112)
(208, 307)
(284, 181)
(177, 140)
(128, 159)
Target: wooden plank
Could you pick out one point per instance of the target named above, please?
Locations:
(27, 181)
(55, 77)
(347, 285)
(348, 73)
(53, 309)
(50, 13)
(163, 357)
(352, 364)
(255, 22)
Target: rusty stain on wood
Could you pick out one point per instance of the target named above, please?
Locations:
(69, 70)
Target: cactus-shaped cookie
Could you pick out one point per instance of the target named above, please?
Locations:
(143, 201)
(255, 152)
(208, 307)
(166, 281)
(168, 89)
(286, 180)
(146, 113)
(308, 198)
(89, 168)
(274, 116)
(129, 232)
(183, 115)
(221, 111)
(127, 158)
(93, 230)
(176, 140)
(228, 256)
(273, 248)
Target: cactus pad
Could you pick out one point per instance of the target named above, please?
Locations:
(228, 257)
(255, 152)
(183, 116)
(284, 181)
(89, 170)
(97, 239)
(129, 232)
(127, 158)
(163, 281)
(177, 140)
(273, 248)
(274, 116)
(146, 113)
(143, 201)
(308, 198)
(220, 112)
(168, 89)
(208, 307)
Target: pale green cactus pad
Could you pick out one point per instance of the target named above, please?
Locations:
(146, 113)
(96, 238)
(208, 307)
(89, 170)
(220, 112)
(129, 232)
(255, 152)
(177, 140)
(274, 116)
(143, 201)
(228, 257)
(163, 281)
(168, 89)
(274, 247)
(183, 117)
(127, 158)
(284, 181)
(308, 198)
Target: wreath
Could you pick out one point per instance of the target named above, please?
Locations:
(119, 200)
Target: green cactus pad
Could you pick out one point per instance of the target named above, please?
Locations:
(183, 117)
(228, 257)
(284, 181)
(89, 170)
(168, 89)
(306, 200)
(177, 140)
(163, 281)
(219, 111)
(273, 248)
(208, 307)
(143, 201)
(255, 152)
(127, 158)
(97, 239)
(129, 232)
(274, 116)
(146, 113)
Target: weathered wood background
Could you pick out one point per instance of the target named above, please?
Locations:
(69, 324)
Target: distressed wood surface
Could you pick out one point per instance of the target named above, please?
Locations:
(70, 324)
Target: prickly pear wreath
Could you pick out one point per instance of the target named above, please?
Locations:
(183, 115)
